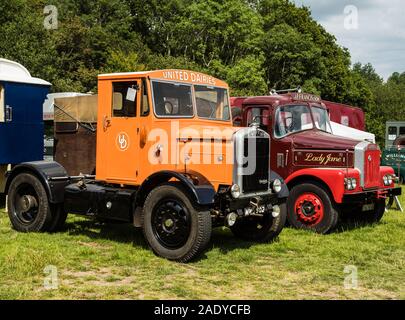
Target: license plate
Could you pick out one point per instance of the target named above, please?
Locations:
(368, 207)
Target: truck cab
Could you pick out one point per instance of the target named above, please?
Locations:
(329, 176)
(168, 160)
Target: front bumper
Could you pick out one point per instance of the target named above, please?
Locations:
(236, 204)
(367, 196)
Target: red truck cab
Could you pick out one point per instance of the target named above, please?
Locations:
(328, 176)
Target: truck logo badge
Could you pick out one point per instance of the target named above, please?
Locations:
(369, 158)
(122, 141)
(263, 181)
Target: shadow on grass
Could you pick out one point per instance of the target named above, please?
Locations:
(119, 232)
(351, 223)
(221, 239)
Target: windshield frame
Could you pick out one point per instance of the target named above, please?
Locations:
(312, 106)
(228, 100)
(152, 81)
(193, 101)
(306, 105)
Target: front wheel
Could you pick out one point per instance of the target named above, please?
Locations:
(310, 207)
(173, 228)
(264, 229)
(375, 215)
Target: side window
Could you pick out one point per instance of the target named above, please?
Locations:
(1, 103)
(392, 133)
(124, 99)
(402, 131)
(145, 108)
(260, 116)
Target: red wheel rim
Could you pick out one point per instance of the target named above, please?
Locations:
(309, 209)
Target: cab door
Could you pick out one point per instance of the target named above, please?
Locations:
(122, 133)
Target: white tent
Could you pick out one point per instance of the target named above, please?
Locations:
(49, 102)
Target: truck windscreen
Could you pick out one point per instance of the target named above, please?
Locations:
(321, 119)
(212, 103)
(172, 99)
(291, 119)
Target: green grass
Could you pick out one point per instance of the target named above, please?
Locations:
(96, 261)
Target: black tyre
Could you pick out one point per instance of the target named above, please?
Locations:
(264, 229)
(374, 216)
(173, 228)
(2, 200)
(28, 206)
(311, 207)
(59, 216)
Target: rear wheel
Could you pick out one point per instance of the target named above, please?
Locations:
(28, 206)
(310, 207)
(263, 229)
(174, 229)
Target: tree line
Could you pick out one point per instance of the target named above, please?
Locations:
(254, 45)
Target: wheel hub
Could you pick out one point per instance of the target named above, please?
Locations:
(309, 209)
(171, 223)
(27, 202)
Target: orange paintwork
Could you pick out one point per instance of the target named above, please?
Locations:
(130, 163)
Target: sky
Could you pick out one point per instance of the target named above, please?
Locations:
(372, 30)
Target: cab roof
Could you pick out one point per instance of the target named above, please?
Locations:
(281, 99)
(11, 71)
(175, 75)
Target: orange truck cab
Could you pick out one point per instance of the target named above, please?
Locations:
(168, 161)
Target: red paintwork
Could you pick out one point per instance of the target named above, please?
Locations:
(316, 202)
(321, 140)
(237, 101)
(372, 168)
(314, 154)
(329, 176)
(344, 114)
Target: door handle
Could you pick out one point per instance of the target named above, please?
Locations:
(9, 114)
(106, 123)
(143, 137)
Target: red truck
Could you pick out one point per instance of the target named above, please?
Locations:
(328, 176)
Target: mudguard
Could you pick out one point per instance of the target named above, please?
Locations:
(197, 185)
(44, 171)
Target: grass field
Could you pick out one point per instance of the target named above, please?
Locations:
(95, 261)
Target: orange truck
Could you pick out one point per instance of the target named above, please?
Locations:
(168, 160)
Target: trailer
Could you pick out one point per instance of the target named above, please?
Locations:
(168, 160)
(21, 124)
